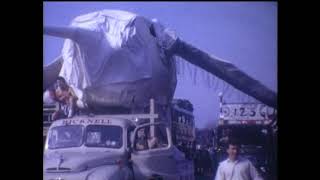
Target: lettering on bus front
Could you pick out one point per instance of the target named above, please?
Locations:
(85, 121)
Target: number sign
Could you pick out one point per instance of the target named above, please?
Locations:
(246, 112)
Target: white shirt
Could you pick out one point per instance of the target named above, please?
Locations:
(241, 169)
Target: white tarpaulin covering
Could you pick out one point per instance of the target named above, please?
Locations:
(118, 60)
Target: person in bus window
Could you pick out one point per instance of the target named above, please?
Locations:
(141, 140)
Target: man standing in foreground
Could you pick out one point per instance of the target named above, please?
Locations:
(235, 167)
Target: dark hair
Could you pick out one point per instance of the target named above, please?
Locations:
(61, 78)
(233, 141)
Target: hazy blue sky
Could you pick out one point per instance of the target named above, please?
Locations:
(244, 33)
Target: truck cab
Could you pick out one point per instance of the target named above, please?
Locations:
(113, 147)
(88, 148)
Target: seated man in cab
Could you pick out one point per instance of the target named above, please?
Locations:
(143, 142)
